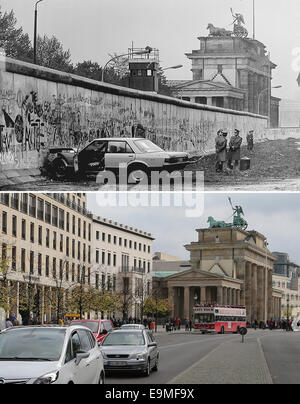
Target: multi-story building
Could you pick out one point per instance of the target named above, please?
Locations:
(286, 278)
(51, 242)
(231, 72)
(46, 240)
(124, 256)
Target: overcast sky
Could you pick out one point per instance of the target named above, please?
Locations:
(277, 216)
(93, 28)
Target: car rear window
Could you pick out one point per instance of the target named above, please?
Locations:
(92, 325)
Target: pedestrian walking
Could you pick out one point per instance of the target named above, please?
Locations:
(221, 150)
(250, 140)
(190, 325)
(234, 154)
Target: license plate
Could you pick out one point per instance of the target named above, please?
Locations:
(116, 363)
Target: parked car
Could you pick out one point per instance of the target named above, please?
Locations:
(50, 355)
(140, 156)
(100, 328)
(132, 327)
(130, 350)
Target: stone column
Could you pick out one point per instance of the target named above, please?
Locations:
(220, 295)
(248, 290)
(171, 293)
(186, 309)
(238, 298)
(241, 275)
(270, 294)
(254, 292)
(203, 295)
(225, 296)
(260, 293)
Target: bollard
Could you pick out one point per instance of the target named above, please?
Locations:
(243, 331)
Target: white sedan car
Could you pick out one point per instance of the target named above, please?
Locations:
(138, 155)
(50, 355)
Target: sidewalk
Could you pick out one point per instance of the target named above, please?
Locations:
(232, 362)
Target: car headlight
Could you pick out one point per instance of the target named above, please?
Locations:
(142, 356)
(49, 378)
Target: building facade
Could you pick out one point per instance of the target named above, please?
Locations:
(231, 72)
(229, 266)
(51, 242)
(123, 256)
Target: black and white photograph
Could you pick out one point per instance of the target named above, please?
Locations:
(149, 195)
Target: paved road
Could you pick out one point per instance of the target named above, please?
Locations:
(282, 353)
(177, 353)
(265, 357)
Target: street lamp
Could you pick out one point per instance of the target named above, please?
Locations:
(269, 101)
(172, 67)
(146, 51)
(35, 31)
(287, 314)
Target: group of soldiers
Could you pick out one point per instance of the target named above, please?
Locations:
(230, 154)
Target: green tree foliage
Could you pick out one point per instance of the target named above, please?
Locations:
(51, 54)
(13, 40)
(157, 307)
(88, 69)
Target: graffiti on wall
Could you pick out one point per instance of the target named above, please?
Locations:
(31, 123)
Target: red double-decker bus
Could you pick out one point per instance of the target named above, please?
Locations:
(219, 319)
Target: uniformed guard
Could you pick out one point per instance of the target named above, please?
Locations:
(250, 140)
(234, 154)
(221, 150)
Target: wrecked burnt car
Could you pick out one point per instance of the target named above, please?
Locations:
(140, 156)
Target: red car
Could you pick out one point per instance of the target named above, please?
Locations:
(100, 328)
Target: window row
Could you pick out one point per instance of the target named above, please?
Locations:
(123, 242)
(50, 214)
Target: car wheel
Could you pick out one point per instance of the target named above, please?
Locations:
(156, 364)
(138, 175)
(147, 371)
(60, 168)
(102, 378)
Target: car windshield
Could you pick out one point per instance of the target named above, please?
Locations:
(124, 338)
(32, 344)
(92, 325)
(146, 146)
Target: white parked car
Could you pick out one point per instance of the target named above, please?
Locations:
(50, 355)
(138, 155)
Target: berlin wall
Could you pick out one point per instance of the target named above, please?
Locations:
(42, 108)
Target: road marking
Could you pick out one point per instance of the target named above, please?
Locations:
(193, 342)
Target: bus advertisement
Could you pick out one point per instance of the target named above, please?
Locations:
(219, 319)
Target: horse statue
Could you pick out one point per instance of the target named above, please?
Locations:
(215, 31)
(217, 225)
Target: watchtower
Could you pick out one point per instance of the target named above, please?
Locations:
(143, 69)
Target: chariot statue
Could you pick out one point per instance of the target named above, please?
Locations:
(238, 22)
(238, 220)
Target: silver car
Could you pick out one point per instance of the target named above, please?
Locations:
(130, 350)
(133, 327)
(50, 355)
